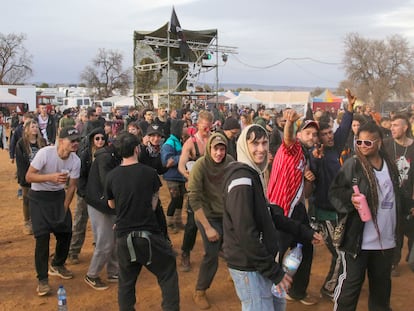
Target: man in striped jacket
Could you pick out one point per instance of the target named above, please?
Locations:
(290, 182)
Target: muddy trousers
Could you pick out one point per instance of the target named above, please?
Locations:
(377, 264)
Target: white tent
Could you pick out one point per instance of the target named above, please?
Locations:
(229, 94)
(243, 99)
(126, 101)
(7, 98)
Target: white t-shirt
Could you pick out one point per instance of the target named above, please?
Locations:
(47, 161)
(43, 126)
(386, 215)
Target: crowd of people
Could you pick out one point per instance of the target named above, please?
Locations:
(253, 183)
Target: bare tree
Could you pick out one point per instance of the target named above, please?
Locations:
(15, 62)
(147, 80)
(106, 74)
(379, 69)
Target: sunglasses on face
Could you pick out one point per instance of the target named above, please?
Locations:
(366, 143)
(98, 138)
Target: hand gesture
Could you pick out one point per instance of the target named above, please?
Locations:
(318, 151)
(351, 99)
(290, 115)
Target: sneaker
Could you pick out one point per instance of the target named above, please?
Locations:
(95, 283)
(60, 271)
(395, 271)
(73, 259)
(200, 299)
(43, 288)
(326, 294)
(309, 300)
(27, 228)
(113, 278)
(288, 298)
(185, 262)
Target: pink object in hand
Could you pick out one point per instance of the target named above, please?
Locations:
(363, 209)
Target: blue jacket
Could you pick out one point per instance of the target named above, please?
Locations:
(172, 149)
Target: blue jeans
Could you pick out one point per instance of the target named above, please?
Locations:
(254, 292)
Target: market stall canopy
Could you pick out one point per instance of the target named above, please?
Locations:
(243, 99)
(7, 98)
(327, 97)
(326, 101)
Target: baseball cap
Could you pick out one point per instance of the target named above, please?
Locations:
(308, 123)
(70, 133)
(217, 140)
(154, 129)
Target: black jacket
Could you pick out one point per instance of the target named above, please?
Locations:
(105, 160)
(250, 224)
(340, 194)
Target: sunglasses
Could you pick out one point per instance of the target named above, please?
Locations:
(366, 143)
(97, 138)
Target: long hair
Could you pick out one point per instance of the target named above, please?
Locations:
(40, 141)
(368, 169)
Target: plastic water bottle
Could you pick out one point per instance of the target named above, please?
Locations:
(61, 294)
(290, 265)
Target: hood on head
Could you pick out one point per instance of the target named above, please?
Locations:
(176, 128)
(95, 131)
(243, 154)
(215, 139)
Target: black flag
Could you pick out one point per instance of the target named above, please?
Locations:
(175, 28)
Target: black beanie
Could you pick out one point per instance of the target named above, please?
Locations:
(231, 124)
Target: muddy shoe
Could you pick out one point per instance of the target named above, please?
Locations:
(27, 228)
(43, 288)
(200, 299)
(185, 262)
(73, 259)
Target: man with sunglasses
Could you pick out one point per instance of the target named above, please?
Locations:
(51, 170)
(324, 164)
(400, 148)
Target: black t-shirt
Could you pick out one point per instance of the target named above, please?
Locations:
(404, 159)
(132, 188)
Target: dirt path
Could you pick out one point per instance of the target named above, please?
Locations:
(18, 279)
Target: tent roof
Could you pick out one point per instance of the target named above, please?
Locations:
(202, 36)
(125, 101)
(229, 94)
(327, 97)
(280, 98)
(243, 99)
(7, 98)
(221, 99)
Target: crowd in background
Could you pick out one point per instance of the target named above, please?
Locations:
(328, 146)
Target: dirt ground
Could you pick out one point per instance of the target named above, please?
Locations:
(18, 279)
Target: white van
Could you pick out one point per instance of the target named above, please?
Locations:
(106, 105)
(76, 101)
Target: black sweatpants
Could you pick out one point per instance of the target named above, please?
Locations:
(190, 231)
(377, 263)
(162, 265)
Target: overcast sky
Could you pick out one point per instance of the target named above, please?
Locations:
(64, 36)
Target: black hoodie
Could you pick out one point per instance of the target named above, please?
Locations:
(105, 160)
